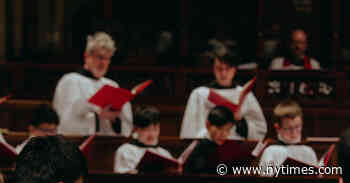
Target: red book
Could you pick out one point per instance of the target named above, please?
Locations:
(297, 167)
(116, 97)
(86, 146)
(291, 162)
(239, 152)
(155, 162)
(7, 151)
(187, 152)
(222, 101)
(324, 160)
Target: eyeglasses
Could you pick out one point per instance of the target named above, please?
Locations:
(100, 57)
(291, 129)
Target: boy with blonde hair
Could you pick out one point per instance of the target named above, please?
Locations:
(288, 125)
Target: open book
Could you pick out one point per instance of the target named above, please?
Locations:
(222, 101)
(240, 152)
(323, 162)
(116, 97)
(152, 161)
(9, 152)
(232, 150)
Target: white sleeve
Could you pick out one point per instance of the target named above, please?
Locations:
(272, 157)
(276, 64)
(126, 120)
(252, 113)
(315, 64)
(68, 99)
(124, 160)
(196, 112)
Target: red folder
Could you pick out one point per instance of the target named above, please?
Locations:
(155, 162)
(222, 101)
(116, 97)
(7, 151)
(86, 146)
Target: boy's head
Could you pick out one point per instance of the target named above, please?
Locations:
(50, 159)
(219, 123)
(289, 121)
(224, 68)
(44, 121)
(146, 124)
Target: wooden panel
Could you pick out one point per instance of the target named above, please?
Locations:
(104, 148)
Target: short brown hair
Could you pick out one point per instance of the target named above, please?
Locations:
(287, 108)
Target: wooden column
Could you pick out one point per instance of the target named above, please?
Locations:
(108, 9)
(184, 29)
(59, 23)
(9, 28)
(30, 28)
(335, 30)
(259, 28)
(17, 27)
(2, 30)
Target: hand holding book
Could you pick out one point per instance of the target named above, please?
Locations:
(235, 107)
(116, 97)
(108, 114)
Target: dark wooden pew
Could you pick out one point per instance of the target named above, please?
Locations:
(101, 156)
(103, 176)
(111, 177)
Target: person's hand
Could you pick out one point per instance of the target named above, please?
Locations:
(173, 170)
(237, 115)
(108, 114)
(4, 99)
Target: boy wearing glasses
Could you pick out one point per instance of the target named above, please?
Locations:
(44, 123)
(289, 124)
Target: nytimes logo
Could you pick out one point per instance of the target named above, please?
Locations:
(275, 171)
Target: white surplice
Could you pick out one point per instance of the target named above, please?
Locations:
(129, 155)
(198, 108)
(76, 114)
(275, 155)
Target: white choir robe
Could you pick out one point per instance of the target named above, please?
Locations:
(198, 108)
(275, 155)
(278, 64)
(77, 115)
(128, 156)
